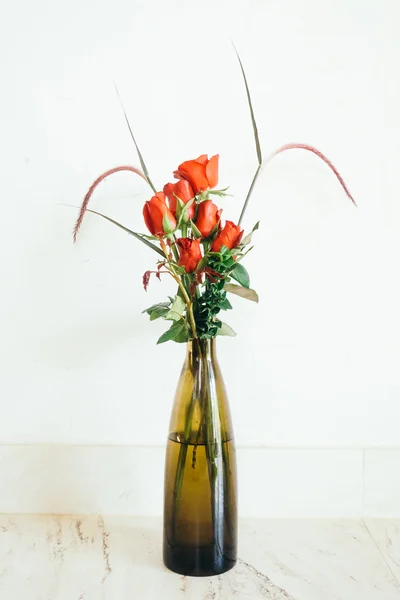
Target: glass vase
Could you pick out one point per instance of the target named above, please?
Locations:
(200, 491)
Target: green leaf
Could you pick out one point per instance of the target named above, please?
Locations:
(145, 171)
(155, 306)
(214, 231)
(157, 310)
(189, 203)
(173, 332)
(221, 193)
(196, 232)
(242, 255)
(158, 313)
(226, 330)
(202, 263)
(182, 337)
(225, 251)
(247, 239)
(136, 235)
(241, 275)
(229, 262)
(225, 304)
(182, 211)
(167, 225)
(179, 270)
(238, 252)
(246, 293)
(149, 237)
(202, 196)
(180, 205)
(176, 311)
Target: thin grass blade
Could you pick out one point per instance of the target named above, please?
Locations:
(138, 236)
(143, 164)
(253, 119)
(249, 193)
(256, 139)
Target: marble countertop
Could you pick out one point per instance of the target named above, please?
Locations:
(118, 558)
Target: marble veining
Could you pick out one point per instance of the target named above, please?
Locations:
(386, 534)
(105, 548)
(118, 558)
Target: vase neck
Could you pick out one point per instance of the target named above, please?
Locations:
(201, 349)
(200, 395)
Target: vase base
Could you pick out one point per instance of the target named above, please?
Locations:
(197, 561)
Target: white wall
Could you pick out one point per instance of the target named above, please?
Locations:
(319, 356)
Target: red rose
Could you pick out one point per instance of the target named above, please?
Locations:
(230, 236)
(184, 191)
(201, 173)
(208, 217)
(154, 212)
(189, 253)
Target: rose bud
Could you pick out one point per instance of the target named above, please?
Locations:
(208, 216)
(189, 253)
(157, 214)
(230, 236)
(184, 191)
(201, 173)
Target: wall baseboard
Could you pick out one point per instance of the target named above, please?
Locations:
(273, 482)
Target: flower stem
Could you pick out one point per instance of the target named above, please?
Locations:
(181, 463)
(174, 250)
(214, 450)
(185, 295)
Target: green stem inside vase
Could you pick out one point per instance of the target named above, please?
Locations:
(181, 464)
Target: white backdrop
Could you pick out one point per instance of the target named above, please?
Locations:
(316, 363)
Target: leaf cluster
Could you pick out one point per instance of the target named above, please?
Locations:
(207, 307)
(173, 310)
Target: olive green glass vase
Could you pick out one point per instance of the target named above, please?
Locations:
(200, 493)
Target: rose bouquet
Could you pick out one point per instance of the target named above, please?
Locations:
(198, 249)
(203, 253)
